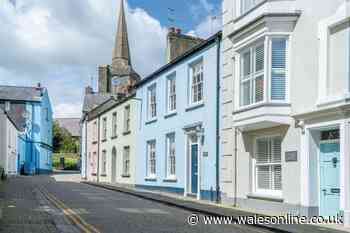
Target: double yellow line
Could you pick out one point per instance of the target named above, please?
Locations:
(70, 214)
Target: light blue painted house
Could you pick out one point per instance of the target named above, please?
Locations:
(30, 107)
(178, 135)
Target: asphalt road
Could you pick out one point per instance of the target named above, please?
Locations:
(59, 204)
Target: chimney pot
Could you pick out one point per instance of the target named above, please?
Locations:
(172, 30)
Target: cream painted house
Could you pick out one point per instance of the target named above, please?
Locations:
(109, 116)
(285, 106)
(111, 140)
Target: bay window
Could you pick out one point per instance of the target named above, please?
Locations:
(252, 76)
(264, 65)
(278, 69)
(268, 165)
(247, 5)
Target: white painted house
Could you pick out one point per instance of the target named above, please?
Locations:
(8, 145)
(285, 129)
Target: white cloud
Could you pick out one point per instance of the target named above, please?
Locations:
(69, 110)
(208, 27)
(61, 43)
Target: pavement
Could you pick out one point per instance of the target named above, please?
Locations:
(212, 209)
(60, 203)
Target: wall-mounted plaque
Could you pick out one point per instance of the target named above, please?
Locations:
(291, 156)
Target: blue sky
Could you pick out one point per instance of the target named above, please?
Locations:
(61, 43)
(187, 14)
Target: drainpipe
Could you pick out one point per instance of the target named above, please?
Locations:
(218, 41)
(86, 152)
(235, 167)
(98, 149)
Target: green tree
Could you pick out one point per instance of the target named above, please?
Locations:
(63, 142)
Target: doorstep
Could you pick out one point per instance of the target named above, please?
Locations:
(209, 208)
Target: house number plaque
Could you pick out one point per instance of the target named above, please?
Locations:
(291, 156)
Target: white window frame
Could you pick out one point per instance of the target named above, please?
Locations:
(114, 124)
(127, 112)
(192, 86)
(170, 160)
(267, 38)
(151, 158)
(152, 102)
(171, 93)
(324, 28)
(104, 163)
(253, 76)
(288, 51)
(104, 128)
(126, 161)
(94, 131)
(266, 192)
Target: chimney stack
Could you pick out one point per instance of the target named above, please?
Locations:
(178, 43)
(88, 90)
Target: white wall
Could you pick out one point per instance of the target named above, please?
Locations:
(8, 145)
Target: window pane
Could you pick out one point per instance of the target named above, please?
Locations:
(278, 71)
(263, 176)
(246, 93)
(246, 64)
(276, 150)
(277, 176)
(259, 88)
(259, 58)
(262, 153)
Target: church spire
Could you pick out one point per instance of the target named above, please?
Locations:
(121, 52)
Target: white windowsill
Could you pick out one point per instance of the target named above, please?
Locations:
(273, 196)
(333, 100)
(150, 121)
(170, 114)
(193, 106)
(170, 179)
(151, 178)
(260, 104)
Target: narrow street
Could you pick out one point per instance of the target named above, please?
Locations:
(59, 203)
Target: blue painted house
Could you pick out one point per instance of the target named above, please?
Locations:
(178, 135)
(31, 110)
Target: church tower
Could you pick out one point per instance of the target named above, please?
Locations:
(120, 77)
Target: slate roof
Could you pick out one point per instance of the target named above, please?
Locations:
(20, 93)
(70, 124)
(11, 119)
(93, 100)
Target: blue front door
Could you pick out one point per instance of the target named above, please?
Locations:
(329, 178)
(194, 168)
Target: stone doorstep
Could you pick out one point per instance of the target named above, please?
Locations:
(214, 209)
